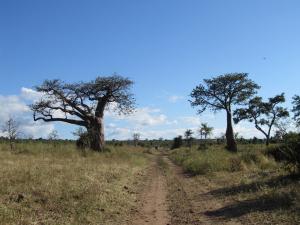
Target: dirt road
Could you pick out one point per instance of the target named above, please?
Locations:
(170, 197)
(154, 206)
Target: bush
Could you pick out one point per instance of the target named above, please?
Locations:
(83, 141)
(288, 152)
(177, 142)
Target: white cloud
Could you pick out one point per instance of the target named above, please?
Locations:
(15, 106)
(11, 106)
(175, 98)
(30, 94)
(191, 120)
(142, 117)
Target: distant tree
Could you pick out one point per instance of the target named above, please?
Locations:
(78, 132)
(188, 134)
(205, 130)
(136, 137)
(201, 132)
(263, 114)
(53, 135)
(222, 93)
(296, 109)
(282, 129)
(84, 103)
(236, 135)
(177, 142)
(11, 128)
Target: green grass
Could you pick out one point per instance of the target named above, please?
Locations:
(216, 159)
(46, 184)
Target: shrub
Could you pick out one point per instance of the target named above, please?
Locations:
(288, 152)
(177, 142)
(83, 141)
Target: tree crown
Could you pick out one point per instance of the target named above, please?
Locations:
(263, 113)
(79, 103)
(223, 91)
(296, 109)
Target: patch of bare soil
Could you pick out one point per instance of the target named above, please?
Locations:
(153, 208)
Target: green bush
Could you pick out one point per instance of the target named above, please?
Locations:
(288, 152)
(177, 142)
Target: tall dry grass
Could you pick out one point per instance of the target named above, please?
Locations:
(43, 183)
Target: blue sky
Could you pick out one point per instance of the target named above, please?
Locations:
(167, 47)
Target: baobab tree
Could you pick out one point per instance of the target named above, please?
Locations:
(296, 109)
(223, 93)
(264, 114)
(84, 103)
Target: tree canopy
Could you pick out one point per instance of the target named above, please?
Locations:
(263, 114)
(296, 109)
(223, 91)
(84, 103)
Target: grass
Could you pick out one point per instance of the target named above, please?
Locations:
(256, 189)
(46, 184)
(215, 159)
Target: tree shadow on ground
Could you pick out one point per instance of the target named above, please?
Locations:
(256, 186)
(266, 203)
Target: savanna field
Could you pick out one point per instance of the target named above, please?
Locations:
(45, 183)
(56, 183)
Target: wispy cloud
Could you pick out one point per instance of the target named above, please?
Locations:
(175, 98)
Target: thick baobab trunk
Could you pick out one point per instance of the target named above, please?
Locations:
(97, 135)
(231, 144)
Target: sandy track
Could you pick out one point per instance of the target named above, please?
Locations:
(154, 207)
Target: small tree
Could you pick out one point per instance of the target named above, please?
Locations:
(205, 130)
(201, 132)
(136, 137)
(263, 114)
(53, 135)
(188, 134)
(11, 128)
(282, 129)
(177, 142)
(84, 104)
(296, 109)
(222, 93)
